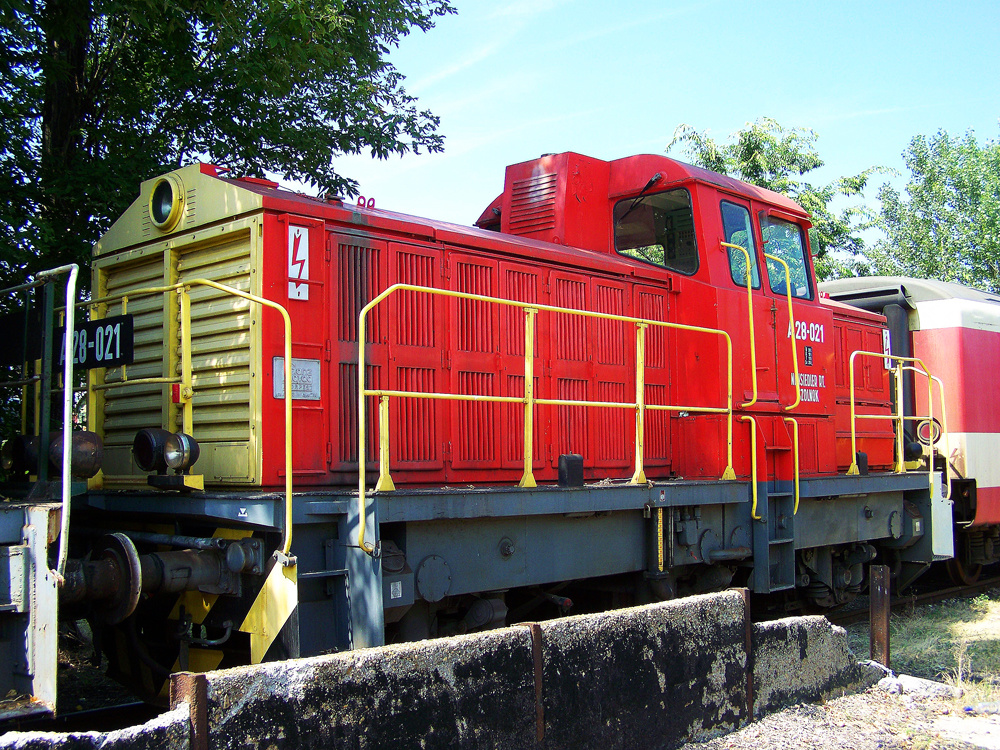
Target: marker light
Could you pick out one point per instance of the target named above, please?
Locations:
(181, 451)
(147, 449)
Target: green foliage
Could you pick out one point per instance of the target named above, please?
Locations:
(770, 156)
(947, 224)
(96, 95)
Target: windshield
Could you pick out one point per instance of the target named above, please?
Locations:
(783, 239)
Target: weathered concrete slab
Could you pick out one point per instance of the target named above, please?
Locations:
(645, 677)
(169, 731)
(803, 659)
(471, 691)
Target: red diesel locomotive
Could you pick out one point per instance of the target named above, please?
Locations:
(650, 335)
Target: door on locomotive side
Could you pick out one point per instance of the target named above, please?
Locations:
(738, 229)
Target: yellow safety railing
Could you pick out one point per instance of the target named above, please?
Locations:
(528, 400)
(898, 417)
(791, 330)
(944, 430)
(753, 343)
(185, 380)
(753, 464)
(795, 457)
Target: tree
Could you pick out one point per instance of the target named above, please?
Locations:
(947, 226)
(96, 95)
(770, 156)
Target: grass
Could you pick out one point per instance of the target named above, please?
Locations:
(956, 642)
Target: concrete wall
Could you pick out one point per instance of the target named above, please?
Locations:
(645, 677)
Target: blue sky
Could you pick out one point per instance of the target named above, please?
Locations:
(512, 80)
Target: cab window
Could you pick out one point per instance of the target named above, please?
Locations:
(658, 229)
(737, 230)
(785, 240)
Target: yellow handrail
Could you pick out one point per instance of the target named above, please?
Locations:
(795, 457)
(529, 400)
(183, 288)
(946, 494)
(753, 342)
(898, 416)
(753, 464)
(791, 330)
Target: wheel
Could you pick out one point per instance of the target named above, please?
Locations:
(962, 575)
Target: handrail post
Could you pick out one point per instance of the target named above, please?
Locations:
(791, 330)
(639, 477)
(527, 478)
(385, 483)
(897, 374)
(853, 470)
(753, 342)
(187, 389)
(728, 473)
(753, 464)
(795, 458)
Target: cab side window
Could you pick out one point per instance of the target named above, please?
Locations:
(737, 230)
(658, 229)
(785, 240)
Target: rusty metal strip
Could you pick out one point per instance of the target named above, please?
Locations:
(880, 606)
(536, 652)
(748, 645)
(192, 688)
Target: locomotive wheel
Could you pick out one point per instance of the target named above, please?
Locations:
(962, 575)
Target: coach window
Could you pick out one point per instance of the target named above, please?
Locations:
(784, 239)
(737, 230)
(658, 229)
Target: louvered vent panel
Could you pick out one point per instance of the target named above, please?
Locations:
(475, 318)
(651, 307)
(129, 409)
(360, 281)
(415, 318)
(572, 420)
(476, 431)
(417, 438)
(611, 424)
(611, 334)
(571, 330)
(348, 432)
(656, 442)
(533, 204)
(220, 339)
(522, 287)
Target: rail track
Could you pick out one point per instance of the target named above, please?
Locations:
(916, 599)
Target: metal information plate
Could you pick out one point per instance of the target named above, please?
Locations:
(107, 342)
(306, 384)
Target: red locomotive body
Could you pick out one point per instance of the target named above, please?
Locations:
(571, 232)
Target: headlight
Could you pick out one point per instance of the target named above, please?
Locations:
(166, 202)
(181, 451)
(147, 449)
(86, 453)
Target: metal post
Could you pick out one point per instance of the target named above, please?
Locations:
(639, 477)
(880, 607)
(527, 478)
(44, 404)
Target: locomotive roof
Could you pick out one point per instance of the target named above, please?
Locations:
(905, 290)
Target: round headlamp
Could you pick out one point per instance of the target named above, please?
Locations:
(166, 202)
(147, 449)
(181, 451)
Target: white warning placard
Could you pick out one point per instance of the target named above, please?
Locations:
(298, 262)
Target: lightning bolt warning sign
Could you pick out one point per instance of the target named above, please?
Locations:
(298, 262)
